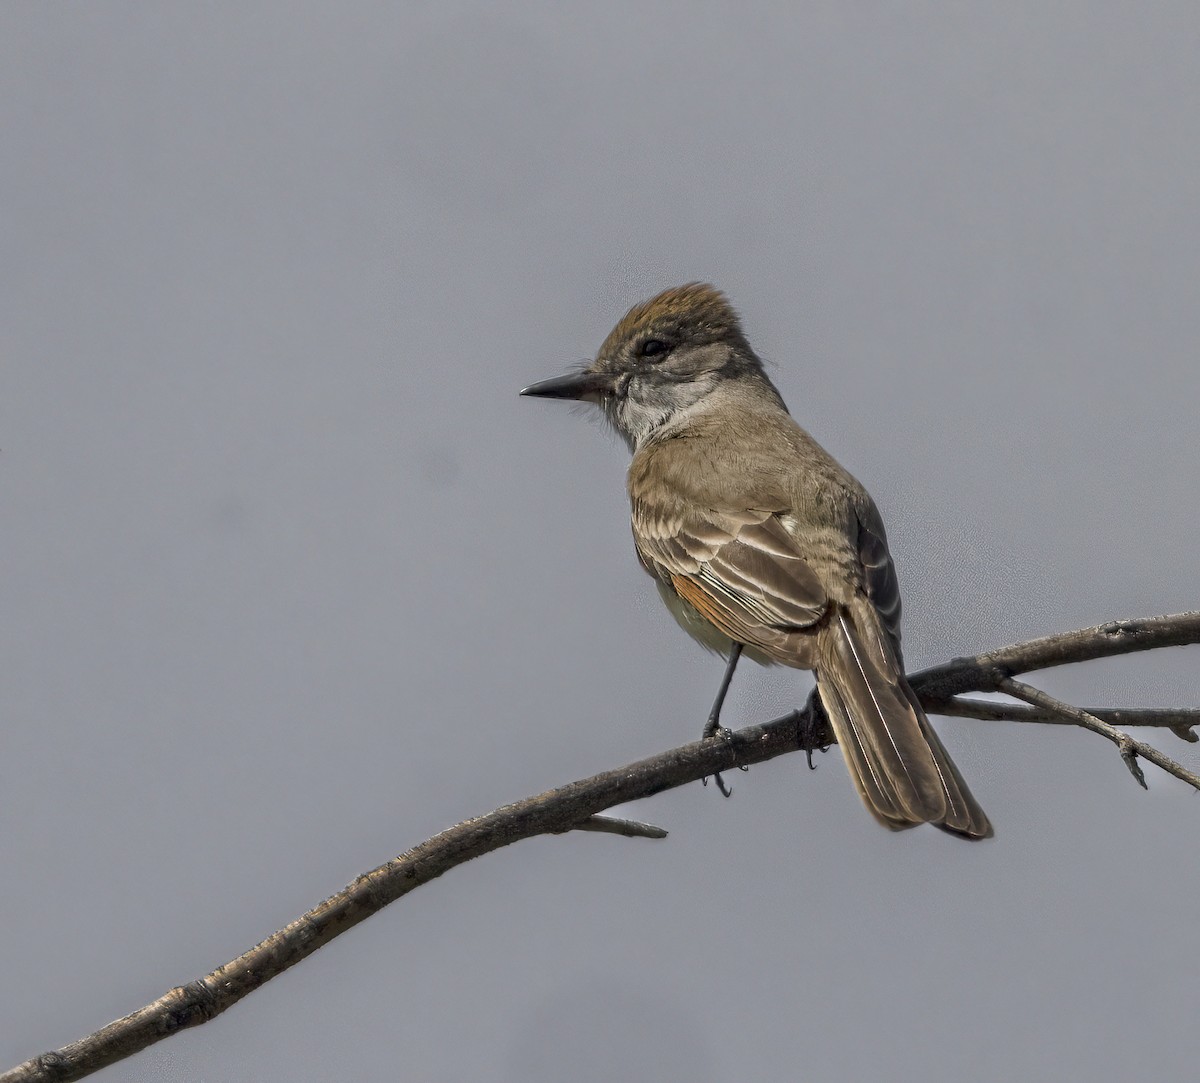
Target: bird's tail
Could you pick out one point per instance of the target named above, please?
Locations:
(902, 771)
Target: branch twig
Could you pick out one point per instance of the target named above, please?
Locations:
(577, 807)
(612, 825)
(1129, 748)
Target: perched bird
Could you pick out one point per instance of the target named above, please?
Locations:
(759, 541)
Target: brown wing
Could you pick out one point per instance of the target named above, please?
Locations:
(741, 571)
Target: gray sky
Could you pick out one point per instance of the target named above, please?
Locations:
(293, 579)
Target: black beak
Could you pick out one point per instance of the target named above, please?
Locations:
(575, 385)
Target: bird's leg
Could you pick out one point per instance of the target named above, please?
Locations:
(713, 726)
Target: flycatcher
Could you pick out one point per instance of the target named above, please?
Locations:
(759, 541)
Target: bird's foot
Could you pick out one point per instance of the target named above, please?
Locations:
(810, 729)
(713, 728)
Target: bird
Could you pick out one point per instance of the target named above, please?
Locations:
(761, 544)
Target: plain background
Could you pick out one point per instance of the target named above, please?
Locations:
(292, 579)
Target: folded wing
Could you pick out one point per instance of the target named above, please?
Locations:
(741, 571)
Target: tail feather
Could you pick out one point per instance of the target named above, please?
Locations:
(899, 766)
(964, 816)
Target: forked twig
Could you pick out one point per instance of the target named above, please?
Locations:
(1129, 748)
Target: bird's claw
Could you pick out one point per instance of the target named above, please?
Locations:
(721, 784)
(713, 728)
(806, 735)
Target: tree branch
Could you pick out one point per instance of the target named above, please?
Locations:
(576, 807)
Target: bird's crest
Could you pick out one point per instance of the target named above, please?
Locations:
(696, 312)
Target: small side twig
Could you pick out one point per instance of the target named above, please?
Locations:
(1128, 747)
(613, 825)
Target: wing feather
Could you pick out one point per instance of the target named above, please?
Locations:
(879, 573)
(741, 571)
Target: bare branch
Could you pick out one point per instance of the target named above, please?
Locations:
(1178, 720)
(554, 812)
(577, 806)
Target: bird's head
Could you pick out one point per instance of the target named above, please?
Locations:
(664, 356)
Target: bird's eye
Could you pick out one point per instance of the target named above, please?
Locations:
(652, 347)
